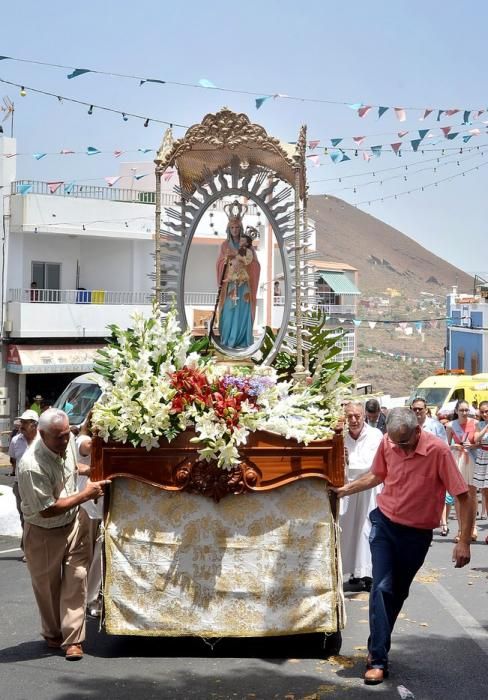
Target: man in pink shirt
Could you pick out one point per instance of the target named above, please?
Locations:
(416, 469)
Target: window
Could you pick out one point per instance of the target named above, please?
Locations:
(474, 363)
(47, 277)
(460, 362)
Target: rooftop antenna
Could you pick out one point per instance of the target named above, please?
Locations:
(9, 109)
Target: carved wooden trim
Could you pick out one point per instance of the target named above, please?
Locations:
(268, 462)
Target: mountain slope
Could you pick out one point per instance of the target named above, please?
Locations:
(387, 259)
(384, 256)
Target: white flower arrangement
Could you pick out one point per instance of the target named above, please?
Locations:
(153, 388)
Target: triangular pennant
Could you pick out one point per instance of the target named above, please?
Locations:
(366, 156)
(467, 137)
(344, 158)
(426, 114)
(446, 129)
(358, 139)
(466, 116)
(415, 144)
(335, 142)
(423, 133)
(451, 112)
(478, 114)
(66, 152)
(313, 144)
(357, 322)
(168, 175)
(77, 72)
(68, 189)
(355, 106)
(362, 111)
(440, 112)
(139, 177)
(155, 80)
(376, 151)
(206, 83)
(24, 189)
(112, 180)
(403, 325)
(474, 132)
(54, 186)
(117, 154)
(401, 134)
(91, 151)
(381, 111)
(336, 156)
(314, 158)
(396, 147)
(144, 150)
(452, 135)
(38, 156)
(261, 100)
(400, 114)
(371, 324)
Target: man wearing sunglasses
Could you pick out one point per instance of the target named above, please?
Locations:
(431, 425)
(416, 469)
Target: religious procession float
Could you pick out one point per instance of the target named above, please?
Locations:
(220, 447)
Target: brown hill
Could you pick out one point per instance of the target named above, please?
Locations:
(384, 256)
(388, 259)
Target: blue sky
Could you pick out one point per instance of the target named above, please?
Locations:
(377, 52)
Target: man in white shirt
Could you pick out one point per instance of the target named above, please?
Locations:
(361, 441)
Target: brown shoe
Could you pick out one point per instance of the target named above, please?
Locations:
(74, 652)
(54, 642)
(375, 676)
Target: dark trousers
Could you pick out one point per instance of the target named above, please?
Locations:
(397, 553)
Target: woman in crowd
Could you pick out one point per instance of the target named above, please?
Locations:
(461, 437)
(480, 478)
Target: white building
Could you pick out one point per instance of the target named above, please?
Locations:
(77, 258)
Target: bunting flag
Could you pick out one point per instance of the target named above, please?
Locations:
(77, 72)
(336, 156)
(117, 154)
(38, 156)
(358, 139)
(68, 189)
(434, 323)
(452, 135)
(313, 144)
(396, 147)
(401, 134)
(357, 322)
(446, 129)
(415, 143)
(168, 175)
(423, 133)
(376, 151)
(54, 186)
(426, 114)
(24, 189)
(478, 114)
(402, 324)
(466, 116)
(381, 111)
(335, 142)
(400, 114)
(139, 177)
(66, 152)
(355, 106)
(451, 112)
(419, 325)
(144, 150)
(315, 159)
(206, 83)
(366, 156)
(112, 180)
(261, 100)
(363, 111)
(91, 151)
(466, 138)
(371, 324)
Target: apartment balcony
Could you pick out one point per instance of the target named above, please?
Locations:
(70, 313)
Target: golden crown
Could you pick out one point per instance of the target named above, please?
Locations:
(235, 210)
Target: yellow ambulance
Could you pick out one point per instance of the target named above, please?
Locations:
(447, 387)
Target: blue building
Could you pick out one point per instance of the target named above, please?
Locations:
(467, 330)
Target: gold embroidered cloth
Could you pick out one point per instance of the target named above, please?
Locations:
(251, 565)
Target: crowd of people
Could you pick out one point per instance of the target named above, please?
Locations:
(404, 469)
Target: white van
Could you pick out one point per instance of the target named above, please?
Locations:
(78, 398)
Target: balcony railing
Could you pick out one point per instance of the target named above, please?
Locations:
(78, 296)
(111, 194)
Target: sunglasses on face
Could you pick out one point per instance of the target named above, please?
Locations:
(417, 409)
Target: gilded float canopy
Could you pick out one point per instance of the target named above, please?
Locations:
(212, 145)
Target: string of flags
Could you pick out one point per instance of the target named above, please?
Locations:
(89, 151)
(54, 186)
(404, 357)
(362, 109)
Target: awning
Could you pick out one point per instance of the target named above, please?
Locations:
(338, 282)
(50, 359)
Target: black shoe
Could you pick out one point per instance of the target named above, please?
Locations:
(353, 581)
(366, 583)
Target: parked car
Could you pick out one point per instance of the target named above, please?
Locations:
(78, 398)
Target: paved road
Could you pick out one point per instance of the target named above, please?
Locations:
(440, 648)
